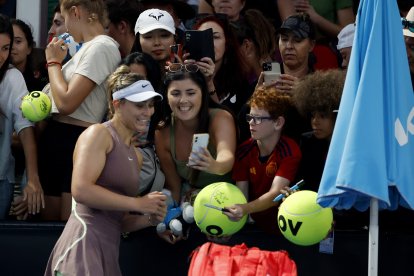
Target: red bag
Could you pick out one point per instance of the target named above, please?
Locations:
(213, 259)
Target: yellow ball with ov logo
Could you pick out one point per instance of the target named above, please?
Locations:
(303, 221)
(36, 106)
(211, 221)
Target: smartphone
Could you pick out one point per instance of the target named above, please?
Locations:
(271, 72)
(200, 140)
(199, 44)
(176, 52)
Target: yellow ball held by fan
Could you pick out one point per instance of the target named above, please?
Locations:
(36, 106)
(212, 221)
(303, 221)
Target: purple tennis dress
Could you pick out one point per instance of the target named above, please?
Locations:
(89, 244)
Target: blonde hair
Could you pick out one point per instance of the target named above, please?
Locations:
(96, 8)
(122, 77)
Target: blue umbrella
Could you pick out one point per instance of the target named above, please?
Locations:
(371, 156)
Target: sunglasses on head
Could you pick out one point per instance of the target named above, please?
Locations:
(179, 67)
(407, 24)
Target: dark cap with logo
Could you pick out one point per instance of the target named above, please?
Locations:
(300, 25)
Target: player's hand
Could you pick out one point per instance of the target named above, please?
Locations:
(154, 203)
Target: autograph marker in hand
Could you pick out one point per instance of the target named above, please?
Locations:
(216, 208)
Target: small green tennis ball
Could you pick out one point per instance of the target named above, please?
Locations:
(36, 106)
(303, 221)
(214, 222)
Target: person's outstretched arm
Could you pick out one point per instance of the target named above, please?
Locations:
(345, 16)
(286, 8)
(264, 202)
(223, 133)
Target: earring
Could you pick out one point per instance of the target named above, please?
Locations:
(92, 18)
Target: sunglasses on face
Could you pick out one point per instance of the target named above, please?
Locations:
(257, 120)
(179, 67)
(407, 24)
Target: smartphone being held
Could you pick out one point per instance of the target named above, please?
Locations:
(200, 140)
(199, 44)
(176, 53)
(271, 72)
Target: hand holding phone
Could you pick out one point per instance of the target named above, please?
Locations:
(271, 72)
(176, 53)
(199, 44)
(200, 141)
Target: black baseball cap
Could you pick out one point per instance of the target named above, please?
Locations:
(300, 25)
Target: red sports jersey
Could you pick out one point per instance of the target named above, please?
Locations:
(284, 161)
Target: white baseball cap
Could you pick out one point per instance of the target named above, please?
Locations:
(153, 19)
(139, 91)
(346, 36)
(409, 17)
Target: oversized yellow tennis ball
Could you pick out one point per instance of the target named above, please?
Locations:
(214, 222)
(36, 106)
(303, 221)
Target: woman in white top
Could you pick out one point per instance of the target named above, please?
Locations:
(78, 97)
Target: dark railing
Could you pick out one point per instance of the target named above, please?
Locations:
(25, 248)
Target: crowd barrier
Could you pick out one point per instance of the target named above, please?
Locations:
(25, 248)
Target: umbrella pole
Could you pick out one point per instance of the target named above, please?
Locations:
(373, 238)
